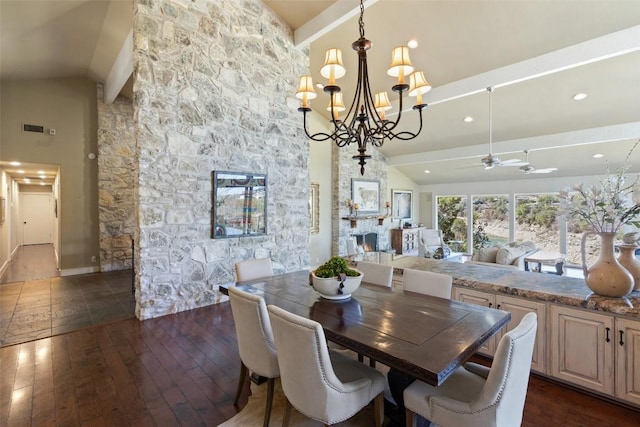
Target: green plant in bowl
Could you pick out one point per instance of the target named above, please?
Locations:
(335, 280)
(334, 267)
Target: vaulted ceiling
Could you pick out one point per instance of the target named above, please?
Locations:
(536, 54)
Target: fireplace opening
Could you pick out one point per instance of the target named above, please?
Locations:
(368, 241)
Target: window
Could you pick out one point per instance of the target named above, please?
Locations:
(452, 220)
(537, 220)
(490, 220)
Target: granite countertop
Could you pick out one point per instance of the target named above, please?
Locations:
(563, 290)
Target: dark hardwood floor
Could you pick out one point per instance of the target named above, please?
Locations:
(181, 370)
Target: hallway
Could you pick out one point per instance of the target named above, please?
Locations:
(35, 303)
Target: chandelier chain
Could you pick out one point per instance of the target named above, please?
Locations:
(361, 21)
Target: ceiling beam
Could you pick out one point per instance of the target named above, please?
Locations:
(544, 142)
(327, 20)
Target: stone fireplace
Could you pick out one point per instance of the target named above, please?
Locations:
(368, 241)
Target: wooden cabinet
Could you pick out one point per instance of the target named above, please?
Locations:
(582, 348)
(518, 308)
(627, 344)
(405, 240)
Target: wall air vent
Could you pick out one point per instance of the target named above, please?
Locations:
(32, 128)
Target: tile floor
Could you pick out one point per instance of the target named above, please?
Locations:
(35, 303)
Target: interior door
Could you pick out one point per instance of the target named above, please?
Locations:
(37, 218)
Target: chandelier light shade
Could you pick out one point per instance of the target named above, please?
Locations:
(365, 122)
(305, 90)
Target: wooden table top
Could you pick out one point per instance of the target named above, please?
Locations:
(424, 336)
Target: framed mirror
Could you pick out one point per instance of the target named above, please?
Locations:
(314, 208)
(239, 204)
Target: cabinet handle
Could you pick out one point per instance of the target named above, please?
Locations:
(490, 305)
(621, 335)
(607, 336)
(498, 307)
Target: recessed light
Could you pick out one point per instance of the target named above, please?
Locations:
(41, 172)
(15, 163)
(27, 180)
(20, 171)
(468, 119)
(319, 85)
(413, 43)
(42, 183)
(598, 156)
(579, 96)
(427, 171)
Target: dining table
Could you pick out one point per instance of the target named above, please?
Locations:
(423, 336)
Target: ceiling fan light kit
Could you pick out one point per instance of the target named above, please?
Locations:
(527, 168)
(365, 122)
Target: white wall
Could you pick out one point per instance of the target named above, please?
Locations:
(320, 172)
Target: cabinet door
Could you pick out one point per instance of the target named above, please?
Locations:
(479, 298)
(627, 360)
(582, 348)
(519, 308)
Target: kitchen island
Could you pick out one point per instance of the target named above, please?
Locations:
(584, 339)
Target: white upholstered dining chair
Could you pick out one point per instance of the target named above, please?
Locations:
(376, 274)
(427, 283)
(255, 343)
(475, 395)
(253, 269)
(322, 384)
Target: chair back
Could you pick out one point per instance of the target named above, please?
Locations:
(352, 246)
(306, 372)
(431, 237)
(376, 274)
(506, 385)
(427, 283)
(253, 269)
(253, 330)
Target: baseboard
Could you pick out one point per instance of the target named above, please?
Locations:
(76, 271)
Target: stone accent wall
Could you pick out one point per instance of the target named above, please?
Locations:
(214, 86)
(344, 169)
(117, 176)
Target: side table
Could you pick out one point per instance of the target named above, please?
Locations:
(543, 257)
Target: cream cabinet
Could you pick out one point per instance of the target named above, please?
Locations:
(484, 299)
(518, 307)
(627, 344)
(582, 348)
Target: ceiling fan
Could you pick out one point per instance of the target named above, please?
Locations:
(490, 160)
(527, 168)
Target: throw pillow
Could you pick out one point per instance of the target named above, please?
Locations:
(486, 254)
(506, 255)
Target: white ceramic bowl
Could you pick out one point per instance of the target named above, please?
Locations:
(328, 287)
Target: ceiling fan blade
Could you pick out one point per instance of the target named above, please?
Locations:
(546, 170)
(513, 162)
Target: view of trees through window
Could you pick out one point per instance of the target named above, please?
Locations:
(490, 221)
(536, 221)
(452, 220)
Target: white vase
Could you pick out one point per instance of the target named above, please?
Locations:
(606, 276)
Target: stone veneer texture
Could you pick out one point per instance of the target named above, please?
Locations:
(117, 177)
(344, 170)
(214, 86)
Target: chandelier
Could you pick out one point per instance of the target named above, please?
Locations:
(365, 122)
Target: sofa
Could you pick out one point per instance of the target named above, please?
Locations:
(508, 255)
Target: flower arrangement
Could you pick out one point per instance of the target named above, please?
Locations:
(605, 207)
